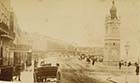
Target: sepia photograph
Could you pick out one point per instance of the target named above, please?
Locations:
(69, 41)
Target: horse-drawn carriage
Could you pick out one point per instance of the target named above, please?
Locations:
(10, 73)
(47, 73)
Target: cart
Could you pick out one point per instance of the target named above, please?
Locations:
(47, 74)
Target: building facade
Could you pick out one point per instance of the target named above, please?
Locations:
(7, 34)
(112, 37)
(7, 37)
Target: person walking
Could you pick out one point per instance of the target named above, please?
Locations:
(120, 64)
(129, 64)
(88, 60)
(18, 71)
(137, 68)
(93, 62)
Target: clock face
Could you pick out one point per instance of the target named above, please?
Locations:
(115, 30)
(112, 29)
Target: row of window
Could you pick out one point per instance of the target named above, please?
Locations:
(114, 44)
(4, 11)
(4, 19)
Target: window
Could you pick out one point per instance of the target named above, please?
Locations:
(113, 44)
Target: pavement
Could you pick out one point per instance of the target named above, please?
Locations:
(103, 73)
(120, 78)
(26, 76)
(115, 75)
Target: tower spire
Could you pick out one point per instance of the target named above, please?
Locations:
(113, 2)
(113, 10)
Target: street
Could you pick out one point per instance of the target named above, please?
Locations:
(74, 70)
(70, 41)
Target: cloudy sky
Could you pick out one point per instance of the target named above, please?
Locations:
(80, 21)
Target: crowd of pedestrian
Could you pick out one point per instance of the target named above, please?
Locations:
(124, 63)
(89, 59)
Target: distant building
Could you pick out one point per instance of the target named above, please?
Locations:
(21, 49)
(97, 52)
(112, 37)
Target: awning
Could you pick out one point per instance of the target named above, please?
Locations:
(7, 36)
(21, 48)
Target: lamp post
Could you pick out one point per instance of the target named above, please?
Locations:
(126, 70)
(139, 46)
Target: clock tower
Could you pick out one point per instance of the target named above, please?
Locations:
(112, 37)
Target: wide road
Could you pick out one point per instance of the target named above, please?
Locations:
(76, 71)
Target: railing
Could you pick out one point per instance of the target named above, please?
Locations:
(6, 31)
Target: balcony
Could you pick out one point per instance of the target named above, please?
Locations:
(3, 28)
(10, 36)
(5, 32)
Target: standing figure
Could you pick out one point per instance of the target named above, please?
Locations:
(93, 61)
(18, 72)
(35, 63)
(137, 68)
(88, 60)
(129, 64)
(120, 64)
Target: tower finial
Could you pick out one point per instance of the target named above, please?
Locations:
(113, 10)
(113, 2)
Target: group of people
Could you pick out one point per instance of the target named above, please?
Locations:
(90, 59)
(121, 63)
(93, 60)
(124, 63)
